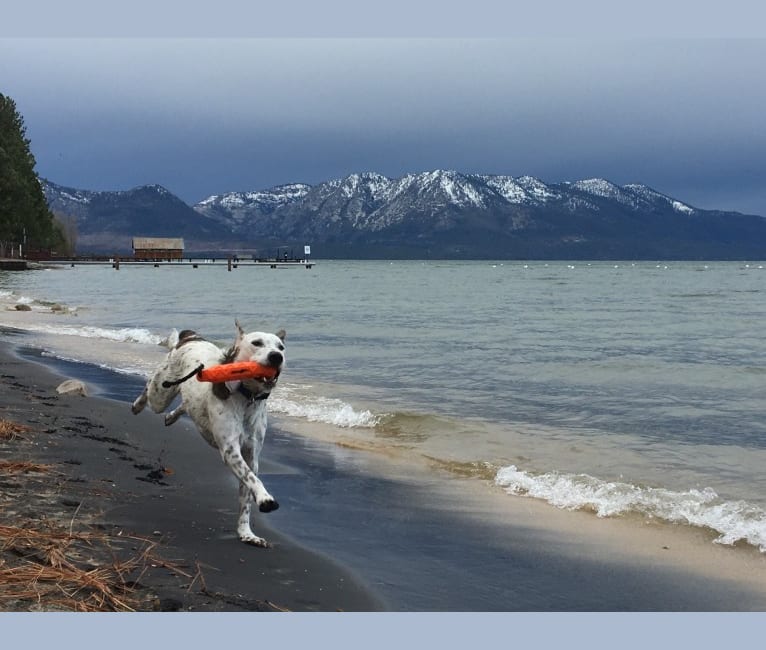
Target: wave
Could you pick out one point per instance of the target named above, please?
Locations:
(323, 409)
(21, 300)
(294, 402)
(733, 521)
(121, 335)
(12, 298)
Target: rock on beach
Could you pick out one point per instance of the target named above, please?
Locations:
(72, 387)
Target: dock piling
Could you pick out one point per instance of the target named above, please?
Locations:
(117, 262)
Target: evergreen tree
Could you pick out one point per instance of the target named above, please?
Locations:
(24, 213)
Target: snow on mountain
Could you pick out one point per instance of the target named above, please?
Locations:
(681, 207)
(275, 196)
(636, 196)
(67, 194)
(537, 189)
(457, 189)
(375, 186)
(85, 197)
(600, 187)
(76, 197)
(648, 194)
(375, 202)
(604, 189)
(521, 190)
(438, 212)
(236, 208)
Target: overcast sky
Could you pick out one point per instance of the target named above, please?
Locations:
(206, 116)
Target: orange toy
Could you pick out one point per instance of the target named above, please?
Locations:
(236, 371)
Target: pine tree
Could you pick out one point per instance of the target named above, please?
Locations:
(24, 213)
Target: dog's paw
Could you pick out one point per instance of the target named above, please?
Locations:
(254, 540)
(268, 506)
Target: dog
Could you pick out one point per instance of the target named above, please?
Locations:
(231, 416)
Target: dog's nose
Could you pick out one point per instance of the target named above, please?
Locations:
(275, 358)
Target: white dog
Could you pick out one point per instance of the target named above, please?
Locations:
(231, 416)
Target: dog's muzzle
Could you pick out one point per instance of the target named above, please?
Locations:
(259, 389)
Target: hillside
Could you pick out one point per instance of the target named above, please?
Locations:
(436, 214)
(106, 221)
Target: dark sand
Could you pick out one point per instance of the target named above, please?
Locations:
(112, 461)
(382, 535)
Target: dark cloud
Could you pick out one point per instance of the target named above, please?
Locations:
(208, 116)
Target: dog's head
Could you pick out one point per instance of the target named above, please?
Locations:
(264, 348)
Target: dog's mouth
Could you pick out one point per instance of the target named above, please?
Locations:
(271, 382)
(263, 384)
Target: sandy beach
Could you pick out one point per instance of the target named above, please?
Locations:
(120, 475)
(356, 531)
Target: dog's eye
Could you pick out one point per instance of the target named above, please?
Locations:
(280, 347)
(257, 343)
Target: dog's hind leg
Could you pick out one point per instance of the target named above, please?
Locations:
(157, 396)
(140, 403)
(176, 413)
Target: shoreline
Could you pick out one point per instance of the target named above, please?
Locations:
(419, 541)
(108, 473)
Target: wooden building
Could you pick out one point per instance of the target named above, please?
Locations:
(158, 248)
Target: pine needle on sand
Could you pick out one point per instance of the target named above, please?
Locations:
(58, 569)
(23, 467)
(11, 430)
(49, 562)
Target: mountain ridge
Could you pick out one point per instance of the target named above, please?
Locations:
(438, 213)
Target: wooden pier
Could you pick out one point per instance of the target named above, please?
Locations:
(230, 263)
(7, 264)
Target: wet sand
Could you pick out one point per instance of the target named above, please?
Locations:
(129, 475)
(357, 531)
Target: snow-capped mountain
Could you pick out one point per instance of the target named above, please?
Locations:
(237, 208)
(432, 214)
(370, 201)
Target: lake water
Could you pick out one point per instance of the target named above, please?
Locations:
(615, 387)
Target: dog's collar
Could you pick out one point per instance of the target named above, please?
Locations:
(250, 396)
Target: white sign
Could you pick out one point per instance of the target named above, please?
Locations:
(307, 250)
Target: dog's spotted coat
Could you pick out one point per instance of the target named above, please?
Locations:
(232, 416)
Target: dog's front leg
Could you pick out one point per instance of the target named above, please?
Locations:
(233, 458)
(244, 531)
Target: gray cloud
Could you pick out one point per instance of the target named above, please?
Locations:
(206, 116)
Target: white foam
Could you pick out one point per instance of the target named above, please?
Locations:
(732, 520)
(122, 335)
(323, 409)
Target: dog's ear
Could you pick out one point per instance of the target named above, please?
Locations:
(282, 334)
(240, 331)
